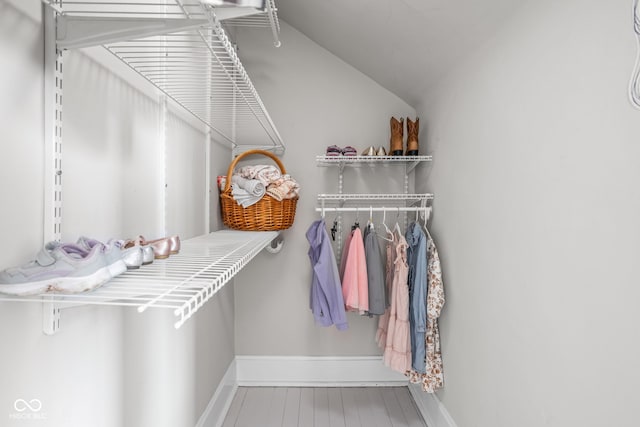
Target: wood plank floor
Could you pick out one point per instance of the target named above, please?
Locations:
(323, 407)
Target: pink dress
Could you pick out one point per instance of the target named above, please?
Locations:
(397, 351)
(383, 321)
(355, 285)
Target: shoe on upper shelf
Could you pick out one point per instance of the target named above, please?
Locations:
(381, 152)
(131, 246)
(413, 128)
(58, 268)
(333, 151)
(112, 251)
(349, 151)
(162, 247)
(369, 151)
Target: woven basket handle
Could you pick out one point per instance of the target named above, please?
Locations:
(235, 161)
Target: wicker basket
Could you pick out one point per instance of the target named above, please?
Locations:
(268, 214)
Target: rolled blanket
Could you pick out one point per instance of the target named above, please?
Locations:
(264, 173)
(283, 188)
(252, 186)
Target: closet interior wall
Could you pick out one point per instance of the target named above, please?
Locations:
(317, 100)
(536, 217)
(99, 366)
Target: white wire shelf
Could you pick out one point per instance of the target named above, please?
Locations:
(183, 282)
(354, 160)
(181, 47)
(410, 162)
(372, 197)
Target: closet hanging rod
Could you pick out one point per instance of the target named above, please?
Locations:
(376, 209)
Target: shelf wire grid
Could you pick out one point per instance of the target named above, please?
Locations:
(198, 69)
(358, 160)
(182, 282)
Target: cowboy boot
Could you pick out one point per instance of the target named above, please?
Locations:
(395, 145)
(412, 137)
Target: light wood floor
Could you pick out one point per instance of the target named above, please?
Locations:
(323, 407)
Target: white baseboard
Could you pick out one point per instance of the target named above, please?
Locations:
(294, 371)
(315, 371)
(213, 415)
(432, 410)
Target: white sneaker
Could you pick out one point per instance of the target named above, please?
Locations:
(58, 267)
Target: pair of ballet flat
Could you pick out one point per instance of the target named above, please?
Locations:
(154, 249)
(371, 151)
(162, 247)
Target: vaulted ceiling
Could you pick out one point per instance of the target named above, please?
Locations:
(404, 45)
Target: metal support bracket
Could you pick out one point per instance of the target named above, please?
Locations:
(81, 31)
(50, 317)
(276, 245)
(239, 149)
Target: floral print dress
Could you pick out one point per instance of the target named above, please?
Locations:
(433, 379)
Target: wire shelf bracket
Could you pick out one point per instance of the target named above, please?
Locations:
(75, 32)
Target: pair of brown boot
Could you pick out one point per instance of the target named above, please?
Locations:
(397, 144)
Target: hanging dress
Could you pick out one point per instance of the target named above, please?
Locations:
(433, 378)
(355, 285)
(383, 321)
(397, 352)
(375, 272)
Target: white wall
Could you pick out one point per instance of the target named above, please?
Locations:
(107, 366)
(316, 100)
(536, 216)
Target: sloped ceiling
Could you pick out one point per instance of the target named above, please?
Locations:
(404, 45)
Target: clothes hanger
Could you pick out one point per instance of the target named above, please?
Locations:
(389, 233)
(370, 222)
(397, 227)
(334, 229)
(427, 215)
(357, 223)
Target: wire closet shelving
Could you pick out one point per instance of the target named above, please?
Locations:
(183, 49)
(342, 202)
(182, 283)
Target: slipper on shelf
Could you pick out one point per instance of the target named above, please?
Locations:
(334, 150)
(349, 151)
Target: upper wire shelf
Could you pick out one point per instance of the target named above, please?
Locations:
(182, 282)
(355, 161)
(181, 47)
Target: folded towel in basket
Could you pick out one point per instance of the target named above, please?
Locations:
(252, 186)
(246, 191)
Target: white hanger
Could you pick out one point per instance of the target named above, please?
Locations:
(397, 227)
(389, 233)
(427, 215)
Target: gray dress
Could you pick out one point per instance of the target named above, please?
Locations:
(375, 272)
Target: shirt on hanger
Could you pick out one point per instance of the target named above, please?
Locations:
(326, 301)
(417, 281)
